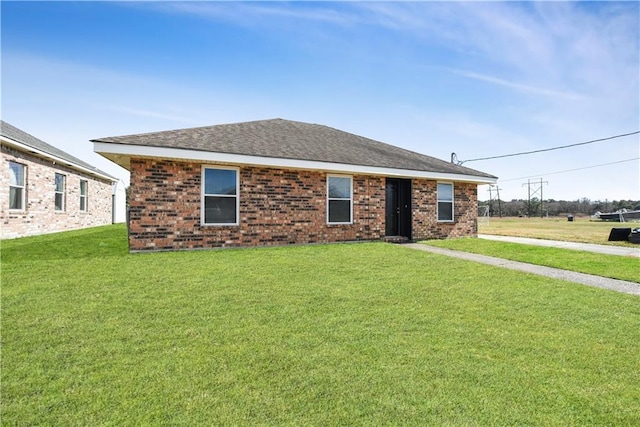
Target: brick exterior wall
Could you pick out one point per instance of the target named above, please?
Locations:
(425, 219)
(39, 215)
(277, 207)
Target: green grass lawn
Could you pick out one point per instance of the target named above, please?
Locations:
(345, 334)
(616, 267)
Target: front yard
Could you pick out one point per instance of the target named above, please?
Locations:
(344, 334)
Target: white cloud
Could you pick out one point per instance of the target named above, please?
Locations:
(260, 13)
(166, 116)
(520, 86)
(584, 49)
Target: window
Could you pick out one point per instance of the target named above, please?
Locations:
(445, 202)
(59, 195)
(339, 199)
(83, 195)
(16, 186)
(220, 196)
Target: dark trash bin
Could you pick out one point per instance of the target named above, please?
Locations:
(570, 218)
(619, 234)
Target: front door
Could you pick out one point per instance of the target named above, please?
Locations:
(398, 207)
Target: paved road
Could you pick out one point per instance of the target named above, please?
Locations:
(601, 249)
(570, 276)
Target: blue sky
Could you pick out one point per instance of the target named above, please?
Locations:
(475, 78)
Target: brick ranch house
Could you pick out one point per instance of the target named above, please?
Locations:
(45, 190)
(277, 182)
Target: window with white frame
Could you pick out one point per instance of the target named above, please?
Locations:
(220, 200)
(59, 193)
(445, 202)
(83, 195)
(339, 199)
(16, 186)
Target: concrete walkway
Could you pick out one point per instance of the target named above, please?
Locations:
(601, 249)
(556, 273)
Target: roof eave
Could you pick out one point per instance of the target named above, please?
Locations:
(122, 153)
(35, 151)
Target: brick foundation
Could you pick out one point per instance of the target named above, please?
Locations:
(39, 215)
(277, 207)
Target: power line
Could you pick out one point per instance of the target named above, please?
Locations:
(454, 157)
(571, 170)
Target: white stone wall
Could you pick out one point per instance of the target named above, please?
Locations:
(39, 215)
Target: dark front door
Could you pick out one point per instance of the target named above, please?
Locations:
(398, 207)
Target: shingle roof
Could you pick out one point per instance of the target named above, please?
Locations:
(13, 133)
(278, 138)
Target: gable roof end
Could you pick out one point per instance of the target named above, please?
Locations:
(283, 142)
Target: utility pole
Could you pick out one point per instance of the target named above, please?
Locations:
(528, 184)
(541, 200)
(490, 201)
(534, 188)
(491, 198)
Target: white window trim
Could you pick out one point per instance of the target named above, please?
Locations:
(453, 204)
(85, 196)
(350, 199)
(56, 192)
(23, 199)
(203, 195)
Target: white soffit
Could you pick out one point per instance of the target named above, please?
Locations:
(241, 159)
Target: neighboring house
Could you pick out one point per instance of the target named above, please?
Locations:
(45, 190)
(276, 182)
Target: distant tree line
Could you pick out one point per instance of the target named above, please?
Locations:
(537, 208)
